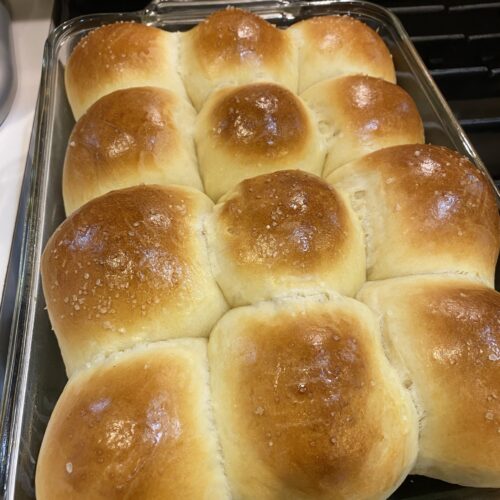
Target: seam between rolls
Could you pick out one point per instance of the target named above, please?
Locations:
(213, 425)
(178, 67)
(195, 147)
(403, 374)
(468, 276)
(211, 257)
(103, 357)
(358, 204)
(322, 295)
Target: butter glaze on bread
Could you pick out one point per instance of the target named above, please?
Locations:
(131, 266)
(306, 404)
(141, 135)
(360, 114)
(138, 425)
(331, 46)
(424, 209)
(121, 55)
(285, 233)
(234, 47)
(254, 129)
(446, 333)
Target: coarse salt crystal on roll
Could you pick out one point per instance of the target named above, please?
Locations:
(331, 46)
(285, 233)
(424, 209)
(130, 266)
(121, 55)
(306, 403)
(254, 129)
(140, 135)
(444, 334)
(234, 47)
(139, 425)
(360, 114)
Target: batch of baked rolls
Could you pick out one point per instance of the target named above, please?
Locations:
(268, 286)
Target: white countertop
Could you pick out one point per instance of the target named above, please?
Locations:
(28, 39)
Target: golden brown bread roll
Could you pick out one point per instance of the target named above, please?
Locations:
(118, 56)
(254, 129)
(331, 46)
(285, 233)
(306, 404)
(360, 114)
(131, 266)
(138, 425)
(234, 47)
(141, 135)
(424, 209)
(444, 332)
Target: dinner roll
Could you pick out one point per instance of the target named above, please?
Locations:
(283, 234)
(141, 135)
(128, 267)
(117, 56)
(254, 129)
(307, 405)
(135, 426)
(425, 209)
(360, 114)
(331, 46)
(445, 330)
(233, 47)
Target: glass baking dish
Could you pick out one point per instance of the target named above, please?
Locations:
(35, 373)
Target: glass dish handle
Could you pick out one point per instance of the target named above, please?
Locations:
(156, 7)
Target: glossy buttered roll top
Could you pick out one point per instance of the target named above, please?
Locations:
(234, 47)
(253, 129)
(424, 209)
(444, 333)
(306, 404)
(129, 267)
(330, 46)
(137, 425)
(141, 135)
(121, 55)
(299, 392)
(285, 233)
(360, 114)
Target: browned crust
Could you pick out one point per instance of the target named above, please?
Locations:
(261, 120)
(333, 36)
(441, 195)
(371, 108)
(284, 220)
(122, 133)
(109, 52)
(234, 36)
(118, 259)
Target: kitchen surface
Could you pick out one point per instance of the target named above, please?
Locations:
(30, 27)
